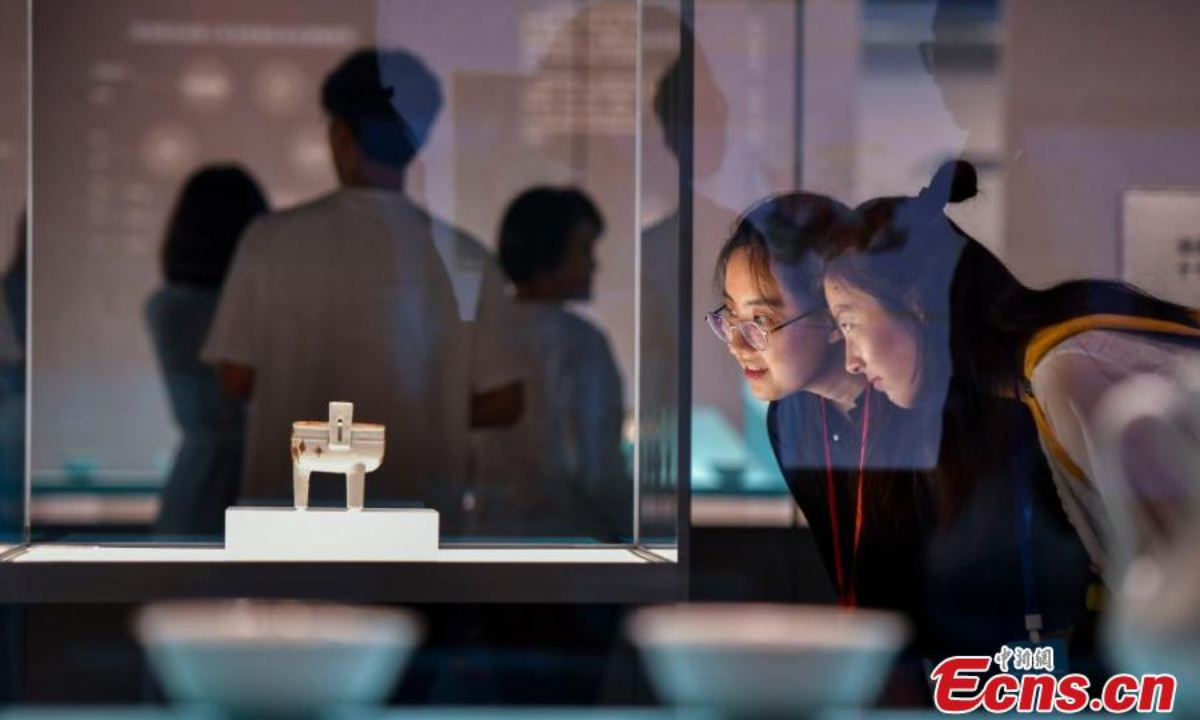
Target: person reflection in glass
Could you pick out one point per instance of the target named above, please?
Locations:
(714, 383)
(14, 280)
(560, 471)
(348, 298)
(213, 210)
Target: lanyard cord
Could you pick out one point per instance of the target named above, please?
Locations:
(1033, 609)
(845, 588)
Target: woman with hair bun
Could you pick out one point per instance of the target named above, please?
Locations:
(936, 322)
(862, 464)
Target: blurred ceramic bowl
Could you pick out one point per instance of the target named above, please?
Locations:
(249, 658)
(767, 660)
(1153, 627)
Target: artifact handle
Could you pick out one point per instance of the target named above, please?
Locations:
(341, 425)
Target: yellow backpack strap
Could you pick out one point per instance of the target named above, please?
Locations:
(1048, 337)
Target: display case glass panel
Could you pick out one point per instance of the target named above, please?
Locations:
(14, 166)
(240, 221)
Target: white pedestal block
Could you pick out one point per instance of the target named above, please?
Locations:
(267, 533)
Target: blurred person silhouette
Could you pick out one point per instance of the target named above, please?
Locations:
(14, 280)
(700, 145)
(963, 66)
(714, 382)
(348, 298)
(947, 56)
(598, 136)
(559, 471)
(12, 388)
(215, 207)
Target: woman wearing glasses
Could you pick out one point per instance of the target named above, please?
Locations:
(864, 470)
(839, 444)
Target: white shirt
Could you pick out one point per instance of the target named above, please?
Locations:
(347, 298)
(1069, 384)
(559, 471)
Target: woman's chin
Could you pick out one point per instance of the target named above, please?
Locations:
(765, 393)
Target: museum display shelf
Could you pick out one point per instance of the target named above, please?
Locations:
(55, 573)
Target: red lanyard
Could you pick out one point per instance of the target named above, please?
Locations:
(846, 595)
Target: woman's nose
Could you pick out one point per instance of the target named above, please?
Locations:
(854, 362)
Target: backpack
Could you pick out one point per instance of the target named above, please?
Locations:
(1048, 337)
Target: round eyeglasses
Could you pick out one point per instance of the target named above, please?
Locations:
(754, 334)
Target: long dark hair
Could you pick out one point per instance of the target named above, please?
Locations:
(975, 317)
(216, 205)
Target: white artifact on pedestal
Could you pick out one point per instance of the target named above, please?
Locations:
(351, 534)
(335, 446)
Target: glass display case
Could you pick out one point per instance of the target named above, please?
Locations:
(499, 231)
(460, 217)
(670, 118)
